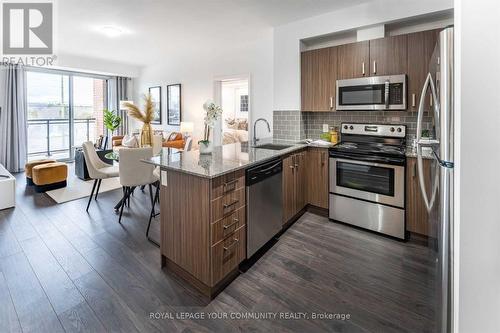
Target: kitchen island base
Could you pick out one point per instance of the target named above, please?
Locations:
(203, 228)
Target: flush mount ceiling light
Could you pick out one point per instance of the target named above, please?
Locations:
(111, 31)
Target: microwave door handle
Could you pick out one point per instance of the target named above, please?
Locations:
(386, 90)
(428, 203)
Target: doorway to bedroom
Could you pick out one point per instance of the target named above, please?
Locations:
(233, 96)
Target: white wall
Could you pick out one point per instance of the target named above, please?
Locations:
(198, 69)
(478, 163)
(96, 66)
(287, 38)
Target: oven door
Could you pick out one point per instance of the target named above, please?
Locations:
(375, 182)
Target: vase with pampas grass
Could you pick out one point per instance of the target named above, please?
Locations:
(145, 117)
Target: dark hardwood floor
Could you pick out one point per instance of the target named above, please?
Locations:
(62, 269)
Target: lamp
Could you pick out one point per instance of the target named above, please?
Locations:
(187, 127)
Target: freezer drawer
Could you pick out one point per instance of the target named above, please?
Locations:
(381, 218)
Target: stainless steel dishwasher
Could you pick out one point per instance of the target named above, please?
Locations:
(264, 204)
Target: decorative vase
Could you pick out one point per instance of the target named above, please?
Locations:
(146, 135)
(206, 147)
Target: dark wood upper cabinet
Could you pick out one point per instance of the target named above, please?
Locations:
(388, 56)
(318, 76)
(420, 48)
(353, 60)
(402, 54)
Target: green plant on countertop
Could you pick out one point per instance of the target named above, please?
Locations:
(111, 120)
(426, 133)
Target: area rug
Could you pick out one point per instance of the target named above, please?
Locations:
(77, 189)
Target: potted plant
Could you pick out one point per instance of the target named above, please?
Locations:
(112, 121)
(146, 118)
(212, 113)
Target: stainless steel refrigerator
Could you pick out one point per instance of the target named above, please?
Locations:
(439, 197)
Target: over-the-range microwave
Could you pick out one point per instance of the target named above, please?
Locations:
(372, 93)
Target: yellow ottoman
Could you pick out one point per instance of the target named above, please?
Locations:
(28, 168)
(49, 176)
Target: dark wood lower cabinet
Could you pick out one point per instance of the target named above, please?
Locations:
(203, 228)
(294, 185)
(416, 213)
(317, 177)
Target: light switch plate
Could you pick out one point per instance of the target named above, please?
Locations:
(325, 128)
(164, 178)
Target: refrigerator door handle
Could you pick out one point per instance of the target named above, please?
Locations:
(429, 203)
(443, 163)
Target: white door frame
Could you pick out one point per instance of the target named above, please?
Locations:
(217, 132)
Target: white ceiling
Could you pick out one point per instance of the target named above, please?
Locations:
(154, 28)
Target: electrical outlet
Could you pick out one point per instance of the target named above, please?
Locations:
(325, 128)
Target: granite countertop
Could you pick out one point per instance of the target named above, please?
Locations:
(224, 159)
(235, 156)
(412, 152)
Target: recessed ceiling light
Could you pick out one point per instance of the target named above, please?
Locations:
(111, 31)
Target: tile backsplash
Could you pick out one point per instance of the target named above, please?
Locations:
(296, 125)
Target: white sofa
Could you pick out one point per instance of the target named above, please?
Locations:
(7, 188)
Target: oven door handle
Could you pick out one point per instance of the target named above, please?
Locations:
(375, 164)
(379, 160)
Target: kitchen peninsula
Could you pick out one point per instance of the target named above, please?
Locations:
(203, 207)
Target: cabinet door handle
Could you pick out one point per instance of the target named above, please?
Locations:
(363, 68)
(322, 159)
(235, 220)
(235, 241)
(414, 170)
(413, 98)
(229, 186)
(331, 102)
(374, 67)
(226, 206)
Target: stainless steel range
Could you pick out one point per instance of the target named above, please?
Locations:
(367, 178)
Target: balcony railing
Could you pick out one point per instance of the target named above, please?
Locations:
(51, 137)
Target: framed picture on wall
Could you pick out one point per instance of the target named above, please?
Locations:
(174, 104)
(156, 97)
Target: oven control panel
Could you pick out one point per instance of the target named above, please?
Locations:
(386, 130)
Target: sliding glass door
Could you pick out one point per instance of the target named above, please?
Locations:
(64, 110)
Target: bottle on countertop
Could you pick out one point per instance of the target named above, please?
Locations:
(334, 135)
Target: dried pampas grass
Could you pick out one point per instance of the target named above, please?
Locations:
(134, 112)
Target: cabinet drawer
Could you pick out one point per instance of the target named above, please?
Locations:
(228, 254)
(224, 227)
(228, 183)
(228, 204)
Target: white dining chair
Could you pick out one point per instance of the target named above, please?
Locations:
(98, 170)
(134, 172)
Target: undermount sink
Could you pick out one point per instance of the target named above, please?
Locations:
(272, 146)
